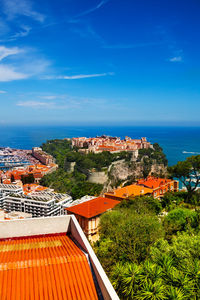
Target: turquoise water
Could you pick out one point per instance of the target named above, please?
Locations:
(174, 140)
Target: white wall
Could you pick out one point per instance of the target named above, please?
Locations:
(35, 226)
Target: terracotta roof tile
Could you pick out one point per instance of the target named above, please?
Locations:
(93, 207)
(130, 190)
(153, 182)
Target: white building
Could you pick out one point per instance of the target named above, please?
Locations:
(6, 189)
(42, 204)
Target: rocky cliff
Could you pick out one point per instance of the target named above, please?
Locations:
(122, 172)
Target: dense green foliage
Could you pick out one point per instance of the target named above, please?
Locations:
(149, 255)
(27, 178)
(186, 171)
(128, 231)
(58, 149)
(172, 200)
(74, 183)
(180, 219)
(85, 162)
(75, 180)
(155, 154)
(172, 271)
(75, 167)
(149, 156)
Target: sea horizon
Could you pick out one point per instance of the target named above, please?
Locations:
(178, 142)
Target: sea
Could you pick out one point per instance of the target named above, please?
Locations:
(177, 142)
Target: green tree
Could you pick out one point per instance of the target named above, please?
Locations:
(180, 219)
(27, 178)
(132, 234)
(186, 171)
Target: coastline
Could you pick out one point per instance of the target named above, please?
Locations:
(177, 142)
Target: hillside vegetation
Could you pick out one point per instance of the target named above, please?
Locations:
(75, 167)
(149, 255)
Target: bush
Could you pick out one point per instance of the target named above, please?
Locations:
(180, 219)
(142, 204)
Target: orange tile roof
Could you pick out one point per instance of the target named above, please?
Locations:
(93, 207)
(153, 182)
(7, 181)
(130, 190)
(44, 267)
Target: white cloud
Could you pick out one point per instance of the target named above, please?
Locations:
(13, 8)
(4, 51)
(87, 12)
(80, 76)
(8, 73)
(3, 92)
(34, 65)
(49, 97)
(30, 62)
(35, 104)
(22, 33)
(176, 59)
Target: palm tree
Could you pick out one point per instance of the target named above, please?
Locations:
(126, 279)
(175, 294)
(152, 291)
(152, 270)
(131, 280)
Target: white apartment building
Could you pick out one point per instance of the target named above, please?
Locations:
(44, 204)
(10, 188)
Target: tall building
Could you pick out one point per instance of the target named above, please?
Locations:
(50, 259)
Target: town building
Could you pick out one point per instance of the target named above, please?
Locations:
(128, 191)
(111, 144)
(88, 214)
(31, 188)
(51, 259)
(36, 172)
(39, 204)
(6, 189)
(42, 156)
(159, 185)
(81, 200)
(13, 215)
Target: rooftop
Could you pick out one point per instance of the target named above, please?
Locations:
(43, 196)
(130, 190)
(93, 207)
(154, 182)
(49, 259)
(45, 267)
(9, 186)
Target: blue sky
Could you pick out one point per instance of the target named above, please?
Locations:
(100, 61)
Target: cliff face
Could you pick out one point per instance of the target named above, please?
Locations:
(86, 173)
(121, 172)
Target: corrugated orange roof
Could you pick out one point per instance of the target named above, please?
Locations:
(45, 267)
(93, 207)
(130, 190)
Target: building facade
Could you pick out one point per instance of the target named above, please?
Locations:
(42, 156)
(88, 215)
(160, 186)
(128, 191)
(39, 205)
